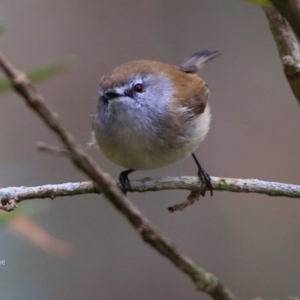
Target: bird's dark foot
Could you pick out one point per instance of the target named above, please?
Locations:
(205, 182)
(124, 181)
(204, 178)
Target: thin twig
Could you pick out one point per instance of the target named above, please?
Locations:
(193, 197)
(288, 48)
(44, 147)
(203, 280)
(145, 185)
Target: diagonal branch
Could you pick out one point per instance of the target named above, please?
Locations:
(290, 9)
(144, 185)
(288, 48)
(203, 280)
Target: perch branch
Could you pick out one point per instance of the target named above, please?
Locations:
(203, 280)
(144, 185)
(288, 48)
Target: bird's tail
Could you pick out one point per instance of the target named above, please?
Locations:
(197, 60)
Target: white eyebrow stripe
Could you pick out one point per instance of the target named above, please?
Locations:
(120, 90)
(137, 81)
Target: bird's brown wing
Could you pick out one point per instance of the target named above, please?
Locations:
(199, 96)
(190, 91)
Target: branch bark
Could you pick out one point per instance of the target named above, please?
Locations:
(290, 9)
(144, 185)
(288, 48)
(203, 280)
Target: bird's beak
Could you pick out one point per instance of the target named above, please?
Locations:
(110, 95)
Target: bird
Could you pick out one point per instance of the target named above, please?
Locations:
(151, 114)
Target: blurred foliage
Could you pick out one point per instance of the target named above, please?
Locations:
(29, 209)
(6, 217)
(27, 228)
(41, 73)
(18, 220)
(262, 2)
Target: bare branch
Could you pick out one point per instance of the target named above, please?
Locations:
(203, 280)
(290, 9)
(288, 48)
(144, 185)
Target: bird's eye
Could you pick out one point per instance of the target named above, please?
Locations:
(139, 88)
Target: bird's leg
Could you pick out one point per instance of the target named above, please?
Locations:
(124, 181)
(204, 177)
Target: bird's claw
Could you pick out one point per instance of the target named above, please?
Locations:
(206, 183)
(124, 181)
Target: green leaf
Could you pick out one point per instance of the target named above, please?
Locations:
(41, 73)
(266, 3)
(50, 70)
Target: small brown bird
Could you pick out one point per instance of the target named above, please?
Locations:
(151, 114)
